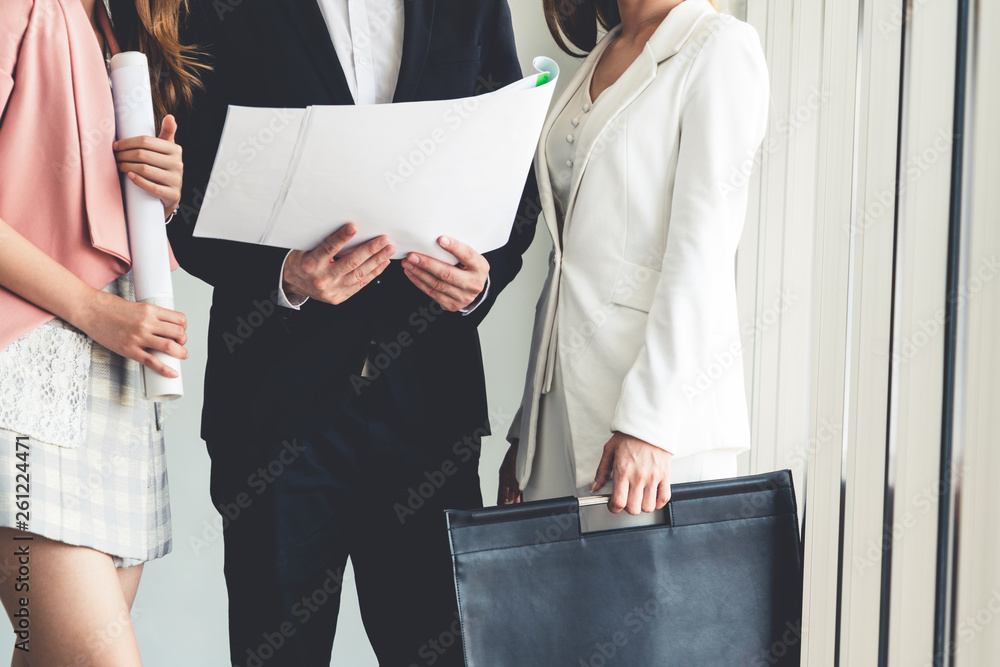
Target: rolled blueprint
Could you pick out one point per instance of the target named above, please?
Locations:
(147, 234)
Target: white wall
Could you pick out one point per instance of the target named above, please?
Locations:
(180, 613)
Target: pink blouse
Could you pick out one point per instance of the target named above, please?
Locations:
(59, 183)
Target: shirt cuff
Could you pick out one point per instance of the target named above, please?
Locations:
(293, 301)
(479, 299)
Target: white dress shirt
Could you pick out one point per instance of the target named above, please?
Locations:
(368, 38)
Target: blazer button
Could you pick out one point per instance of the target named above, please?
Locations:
(553, 260)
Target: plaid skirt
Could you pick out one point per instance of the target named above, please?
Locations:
(109, 492)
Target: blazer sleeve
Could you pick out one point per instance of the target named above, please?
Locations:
(14, 17)
(241, 268)
(722, 123)
(501, 67)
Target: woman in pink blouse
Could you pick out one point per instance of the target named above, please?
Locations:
(83, 492)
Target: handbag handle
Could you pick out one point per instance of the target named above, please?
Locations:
(590, 501)
(587, 501)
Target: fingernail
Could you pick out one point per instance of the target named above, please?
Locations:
(407, 266)
(131, 175)
(114, 146)
(445, 241)
(414, 259)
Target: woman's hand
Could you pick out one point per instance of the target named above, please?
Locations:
(509, 491)
(641, 474)
(133, 329)
(154, 164)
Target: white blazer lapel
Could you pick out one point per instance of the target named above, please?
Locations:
(668, 39)
(541, 155)
(678, 27)
(632, 82)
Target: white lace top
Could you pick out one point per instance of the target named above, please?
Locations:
(44, 383)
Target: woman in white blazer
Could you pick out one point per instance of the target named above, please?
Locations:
(635, 377)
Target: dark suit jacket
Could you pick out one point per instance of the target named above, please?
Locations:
(274, 372)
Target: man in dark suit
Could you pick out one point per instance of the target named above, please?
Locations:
(345, 401)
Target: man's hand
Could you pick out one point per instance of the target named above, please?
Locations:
(509, 491)
(641, 474)
(453, 287)
(318, 275)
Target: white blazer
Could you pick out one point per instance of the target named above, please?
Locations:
(640, 301)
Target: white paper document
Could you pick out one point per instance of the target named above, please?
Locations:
(413, 171)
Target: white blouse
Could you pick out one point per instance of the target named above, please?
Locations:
(562, 145)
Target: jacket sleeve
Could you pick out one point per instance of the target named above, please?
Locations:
(243, 268)
(14, 17)
(502, 67)
(722, 123)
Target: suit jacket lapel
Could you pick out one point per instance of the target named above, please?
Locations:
(307, 19)
(418, 17)
(605, 122)
(541, 155)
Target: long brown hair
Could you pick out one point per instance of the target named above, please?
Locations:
(574, 23)
(153, 27)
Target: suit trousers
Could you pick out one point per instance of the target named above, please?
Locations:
(367, 487)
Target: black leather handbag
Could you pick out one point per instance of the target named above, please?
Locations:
(720, 585)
